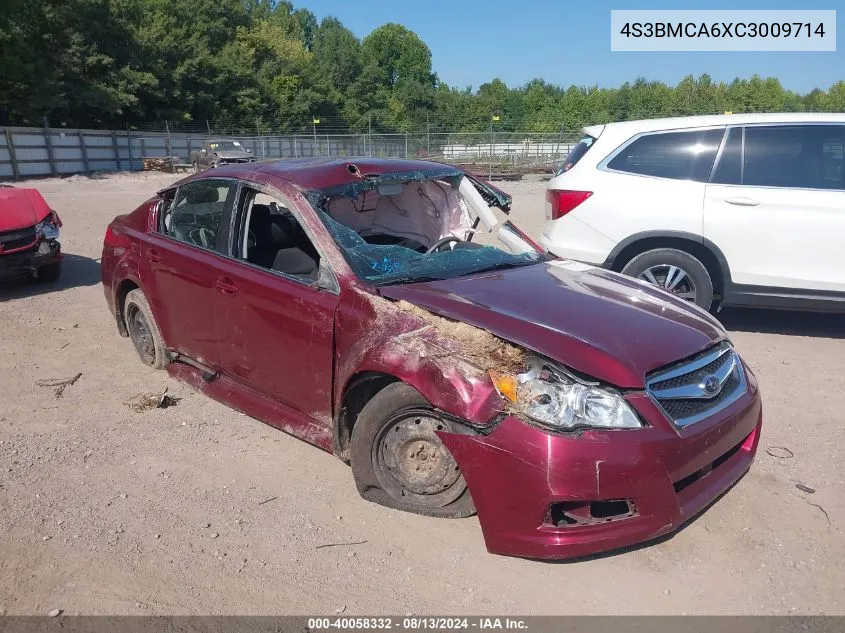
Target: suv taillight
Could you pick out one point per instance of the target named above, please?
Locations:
(562, 201)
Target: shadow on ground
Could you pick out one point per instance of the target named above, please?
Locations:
(817, 324)
(77, 272)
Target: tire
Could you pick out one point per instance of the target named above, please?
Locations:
(143, 330)
(676, 271)
(399, 462)
(50, 273)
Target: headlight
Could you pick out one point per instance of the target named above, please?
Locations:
(554, 398)
(48, 228)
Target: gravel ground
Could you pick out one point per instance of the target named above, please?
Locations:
(196, 509)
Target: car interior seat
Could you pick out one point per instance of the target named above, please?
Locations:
(268, 232)
(295, 261)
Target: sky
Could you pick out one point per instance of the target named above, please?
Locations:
(567, 42)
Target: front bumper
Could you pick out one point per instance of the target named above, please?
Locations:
(518, 475)
(29, 261)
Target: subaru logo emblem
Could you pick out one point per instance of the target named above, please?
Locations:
(711, 385)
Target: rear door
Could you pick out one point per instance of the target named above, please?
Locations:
(776, 206)
(180, 262)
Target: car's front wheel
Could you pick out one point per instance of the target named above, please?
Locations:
(143, 330)
(399, 461)
(675, 271)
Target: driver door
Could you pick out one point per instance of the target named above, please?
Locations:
(275, 317)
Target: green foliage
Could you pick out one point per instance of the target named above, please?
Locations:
(269, 64)
(62, 58)
(396, 85)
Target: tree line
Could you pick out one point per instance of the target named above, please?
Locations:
(92, 63)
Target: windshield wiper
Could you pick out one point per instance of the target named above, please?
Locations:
(499, 266)
(414, 279)
(408, 279)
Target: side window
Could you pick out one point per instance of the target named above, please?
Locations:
(271, 237)
(729, 169)
(798, 156)
(675, 155)
(195, 212)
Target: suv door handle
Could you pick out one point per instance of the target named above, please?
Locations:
(226, 286)
(153, 256)
(742, 201)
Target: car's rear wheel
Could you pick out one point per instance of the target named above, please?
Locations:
(50, 273)
(143, 330)
(675, 271)
(399, 461)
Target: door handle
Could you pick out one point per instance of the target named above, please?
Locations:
(742, 201)
(153, 256)
(226, 286)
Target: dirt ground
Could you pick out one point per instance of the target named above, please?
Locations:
(196, 509)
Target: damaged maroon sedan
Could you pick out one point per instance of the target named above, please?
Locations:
(381, 310)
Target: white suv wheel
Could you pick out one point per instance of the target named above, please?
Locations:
(675, 271)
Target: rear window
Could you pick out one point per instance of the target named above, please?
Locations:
(804, 156)
(675, 155)
(796, 156)
(576, 154)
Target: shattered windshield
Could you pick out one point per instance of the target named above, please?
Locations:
(404, 228)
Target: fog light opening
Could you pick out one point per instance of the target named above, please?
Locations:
(577, 513)
(610, 509)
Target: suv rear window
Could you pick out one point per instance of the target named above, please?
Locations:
(576, 154)
(675, 155)
(805, 156)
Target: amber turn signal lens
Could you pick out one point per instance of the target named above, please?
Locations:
(505, 384)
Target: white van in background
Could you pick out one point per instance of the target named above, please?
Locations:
(745, 209)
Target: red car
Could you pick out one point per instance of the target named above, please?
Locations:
(381, 310)
(29, 235)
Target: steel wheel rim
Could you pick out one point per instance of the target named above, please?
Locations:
(412, 464)
(671, 278)
(142, 339)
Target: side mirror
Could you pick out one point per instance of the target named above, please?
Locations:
(326, 280)
(249, 151)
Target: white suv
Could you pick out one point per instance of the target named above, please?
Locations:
(744, 209)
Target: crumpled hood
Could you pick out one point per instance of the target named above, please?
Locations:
(21, 208)
(233, 155)
(601, 323)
